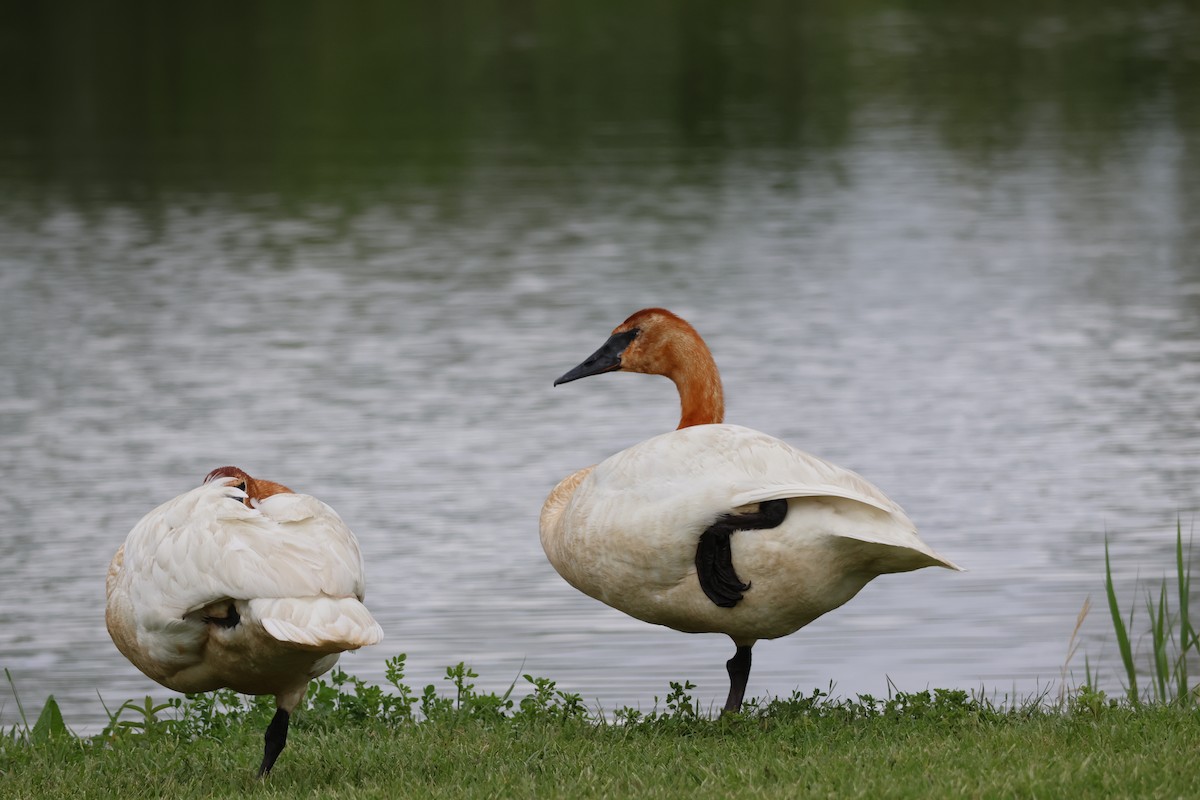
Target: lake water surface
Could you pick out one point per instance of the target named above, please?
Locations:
(958, 255)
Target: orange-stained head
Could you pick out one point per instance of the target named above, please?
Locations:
(254, 488)
(655, 341)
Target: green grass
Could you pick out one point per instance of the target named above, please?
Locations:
(356, 740)
(485, 745)
(1173, 640)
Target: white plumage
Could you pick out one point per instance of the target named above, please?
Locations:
(239, 584)
(629, 530)
(628, 533)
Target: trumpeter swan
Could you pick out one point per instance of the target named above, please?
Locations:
(716, 528)
(242, 584)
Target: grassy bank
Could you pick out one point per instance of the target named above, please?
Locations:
(352, 739)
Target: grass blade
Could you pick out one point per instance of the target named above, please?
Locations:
(1072, 647)
(1119, 627)
(1187, 637)
(1158, 636)
(17, 697)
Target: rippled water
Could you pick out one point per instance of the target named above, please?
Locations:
(1008, 346)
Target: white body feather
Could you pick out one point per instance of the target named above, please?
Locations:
(290, 567)
(626, 532)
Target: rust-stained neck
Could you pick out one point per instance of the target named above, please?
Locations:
(255, 488)
(667, 345)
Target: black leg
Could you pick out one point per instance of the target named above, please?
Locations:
(276, 739)
(738, 668)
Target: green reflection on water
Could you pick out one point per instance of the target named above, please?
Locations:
(309, 99)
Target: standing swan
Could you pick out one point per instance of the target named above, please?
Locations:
(716, 528)
(242, 584)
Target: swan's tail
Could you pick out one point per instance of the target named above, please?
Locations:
(326, 624)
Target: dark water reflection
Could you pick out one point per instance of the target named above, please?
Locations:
(351, 250)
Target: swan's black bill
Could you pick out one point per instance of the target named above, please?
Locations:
(606, 359)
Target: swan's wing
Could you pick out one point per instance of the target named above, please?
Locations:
(204, 546)
(783, 491)
(734, 466)
(902, 533)
(687, 478)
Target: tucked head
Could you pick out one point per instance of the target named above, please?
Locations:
(254, 488)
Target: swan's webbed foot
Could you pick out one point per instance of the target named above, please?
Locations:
(714, 557)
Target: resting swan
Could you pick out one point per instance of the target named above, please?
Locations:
(239, 583)
(716, 528)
